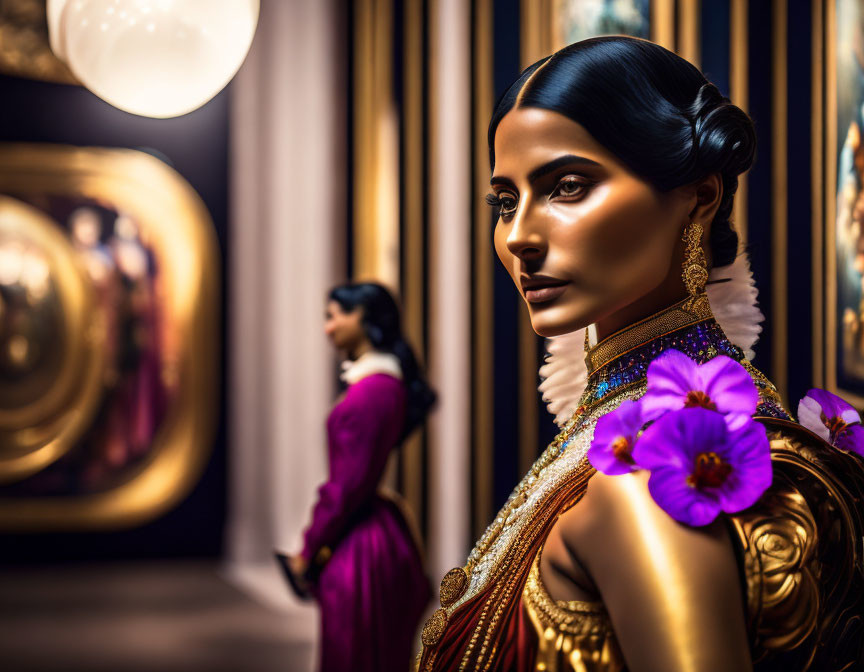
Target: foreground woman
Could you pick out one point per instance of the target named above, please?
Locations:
(360, 560)
(721, 536)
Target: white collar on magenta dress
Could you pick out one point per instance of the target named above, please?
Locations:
(370, 363)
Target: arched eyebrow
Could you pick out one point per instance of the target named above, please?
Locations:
(546, 168)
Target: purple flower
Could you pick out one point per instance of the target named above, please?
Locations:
(675, 381)
(614, 438)
(700, 467)
(833, 419)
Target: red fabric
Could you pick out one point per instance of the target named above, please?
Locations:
(515, 645)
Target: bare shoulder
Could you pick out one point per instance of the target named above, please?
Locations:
(673, 592)
(618, 517)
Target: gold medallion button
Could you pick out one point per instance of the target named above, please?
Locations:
(453, 586)
(434, 628)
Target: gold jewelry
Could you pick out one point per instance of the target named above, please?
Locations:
(694, 269)
(644, 331)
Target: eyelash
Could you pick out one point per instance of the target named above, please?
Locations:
(496, 201)
(582, 184)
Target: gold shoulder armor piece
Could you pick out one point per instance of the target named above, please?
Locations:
(801, 554)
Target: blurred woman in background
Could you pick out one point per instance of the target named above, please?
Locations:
(360, 560)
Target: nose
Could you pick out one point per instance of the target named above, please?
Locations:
(525, 239)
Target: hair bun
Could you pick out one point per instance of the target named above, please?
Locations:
(724, 134)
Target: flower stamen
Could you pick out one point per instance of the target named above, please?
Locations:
(710, 471)
(697, 398)
(835, 425)
(621, 448)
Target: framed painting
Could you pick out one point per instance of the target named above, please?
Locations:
(574, 20)
(843, 337)
(550, 25)
(108, 337)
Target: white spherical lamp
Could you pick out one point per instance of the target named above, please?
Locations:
(156, 58)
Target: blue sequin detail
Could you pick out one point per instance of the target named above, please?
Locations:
(700, 342)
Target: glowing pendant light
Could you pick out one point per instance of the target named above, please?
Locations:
(157, 58)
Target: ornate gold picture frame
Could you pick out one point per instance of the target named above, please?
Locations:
(167, 228)
(839, 187)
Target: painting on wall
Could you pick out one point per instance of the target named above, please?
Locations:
(108, 337)
(845, 225)
(575, 20)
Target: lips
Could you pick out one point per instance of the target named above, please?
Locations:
(542, 288)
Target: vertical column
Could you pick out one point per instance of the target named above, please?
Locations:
(450, 280)
(287, 161)
(817, 180)
(739, 83)
(376, 146)
(663, 23)
(535, 34)
(483, 435)
(830, 207)
(689, 13)
(413, 227)
(779, 190)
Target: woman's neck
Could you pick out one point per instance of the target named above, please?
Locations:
(360, 349)
(645, 307)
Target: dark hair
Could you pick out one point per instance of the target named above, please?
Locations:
(652, 109)
(382, 326)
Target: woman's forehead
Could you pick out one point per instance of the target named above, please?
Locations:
(529, 135)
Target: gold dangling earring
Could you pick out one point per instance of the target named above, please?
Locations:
(695, 269)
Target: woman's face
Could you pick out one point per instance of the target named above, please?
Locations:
(584, 239)
(345, 330)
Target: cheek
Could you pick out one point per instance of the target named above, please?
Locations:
(624, 236)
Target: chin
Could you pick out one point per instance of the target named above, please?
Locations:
(557, 320)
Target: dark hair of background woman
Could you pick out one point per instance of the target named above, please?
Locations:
(382, 324)
(652, 109)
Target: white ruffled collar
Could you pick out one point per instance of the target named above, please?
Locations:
(733, 302)
(370, 363)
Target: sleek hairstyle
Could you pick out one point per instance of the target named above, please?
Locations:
(652, 109)
(381, 322)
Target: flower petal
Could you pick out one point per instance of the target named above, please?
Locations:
(670, 446)
(675, 439)
(670, 377)
(810, 416)
(833, 406)
(851, 439)
(748, 452)
(731, 389)
(624, 422)
(668, 487)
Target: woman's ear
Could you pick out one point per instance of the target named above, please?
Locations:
(709, 194)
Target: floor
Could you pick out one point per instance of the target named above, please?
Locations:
(170, 617)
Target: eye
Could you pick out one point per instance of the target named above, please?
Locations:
(504, 201)
(571, 187)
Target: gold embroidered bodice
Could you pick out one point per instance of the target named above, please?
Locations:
(782, 546)
(573, 635)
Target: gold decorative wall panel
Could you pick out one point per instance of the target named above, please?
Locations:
(109, 337)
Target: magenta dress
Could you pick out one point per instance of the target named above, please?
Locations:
(373, 590)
